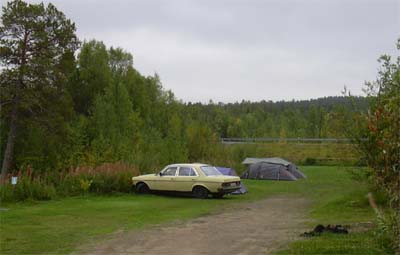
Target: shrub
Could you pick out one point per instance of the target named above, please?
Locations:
(6, 193)
(310, 161)
(379, 141)
(107, 178)
(104, 179)
(26, 188)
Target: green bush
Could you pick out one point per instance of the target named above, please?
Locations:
(378, 140)
(6, 193)
(104, 179)
(25, 189)
(310, 161)
(103, 184)
(68, 186)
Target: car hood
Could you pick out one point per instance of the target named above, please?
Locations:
(143, 176)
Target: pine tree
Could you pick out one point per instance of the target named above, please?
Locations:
(36, 46)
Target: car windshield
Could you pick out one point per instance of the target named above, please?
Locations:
(169, 171)
(210, 170)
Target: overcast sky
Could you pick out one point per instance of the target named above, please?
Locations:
(229, 50)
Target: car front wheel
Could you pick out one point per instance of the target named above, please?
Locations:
(200, 192)
(142, 188)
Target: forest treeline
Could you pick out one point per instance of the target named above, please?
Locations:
(110, 112)
(315, 118)
(67, 104)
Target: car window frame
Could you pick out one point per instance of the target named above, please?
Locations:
(166, 168)
(201, 168)
(194, 170)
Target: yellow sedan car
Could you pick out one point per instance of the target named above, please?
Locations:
(198, 179)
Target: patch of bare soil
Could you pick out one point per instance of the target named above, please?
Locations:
(255, 228)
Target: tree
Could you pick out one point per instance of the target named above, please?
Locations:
(201, 141)
(236, 128)
(380, 137)
(120, 61)
(315, 121)
(91, 77)
(36, 44)
(115, 125)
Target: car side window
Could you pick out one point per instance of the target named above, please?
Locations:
(170, 171)
(186, 171)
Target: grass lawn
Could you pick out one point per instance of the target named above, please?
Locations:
(58, 227)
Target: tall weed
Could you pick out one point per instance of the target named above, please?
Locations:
(103, 179)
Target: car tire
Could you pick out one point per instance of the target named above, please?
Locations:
(218, 196)
(200, 192)
(142, 188)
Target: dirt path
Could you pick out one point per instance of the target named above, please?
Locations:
(254, 228)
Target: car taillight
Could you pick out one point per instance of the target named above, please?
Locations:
(229, 184)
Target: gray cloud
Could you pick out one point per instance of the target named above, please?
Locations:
(246, 49)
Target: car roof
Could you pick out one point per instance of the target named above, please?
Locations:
(188, 164)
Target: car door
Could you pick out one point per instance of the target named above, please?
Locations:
(185, 179)
(166, 180)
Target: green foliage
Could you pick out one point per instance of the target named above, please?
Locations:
(201, 142)
(310, 161)
(388, 228)
(76, 141)
(104, 179)
(85, 185)
(91, 77)
(379, 140)
(319, 118)
(382, 146)
(115, 126)
(27, 189)
(68, 185)
(37, 44)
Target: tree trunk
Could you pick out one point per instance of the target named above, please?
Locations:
(9, 152)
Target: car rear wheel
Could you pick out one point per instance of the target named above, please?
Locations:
(142, 188)
(200, 192)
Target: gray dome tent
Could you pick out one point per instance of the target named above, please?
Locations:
(271, 169)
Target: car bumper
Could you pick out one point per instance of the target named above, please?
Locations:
(228, 190)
